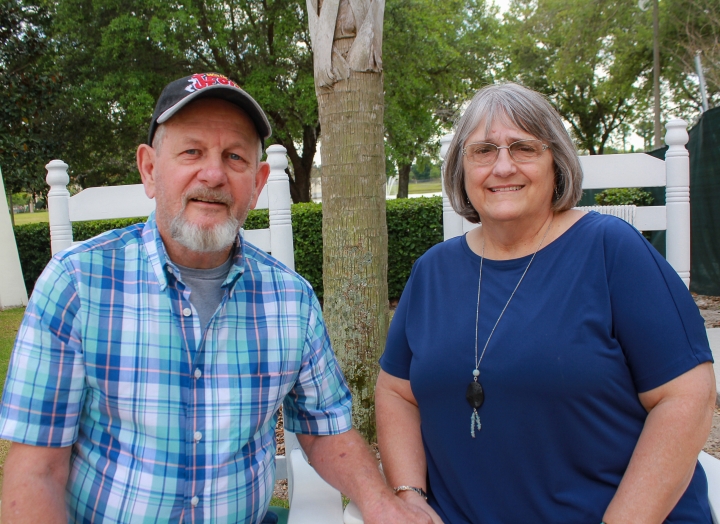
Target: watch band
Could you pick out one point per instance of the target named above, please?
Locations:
(419, 491)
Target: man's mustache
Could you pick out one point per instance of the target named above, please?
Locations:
(208, 195)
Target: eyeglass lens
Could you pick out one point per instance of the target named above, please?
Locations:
(521, 151)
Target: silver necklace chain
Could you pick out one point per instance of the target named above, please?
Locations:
(476, 371)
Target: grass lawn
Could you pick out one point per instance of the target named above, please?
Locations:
(30, 218)
(9, 323)
(435, 186)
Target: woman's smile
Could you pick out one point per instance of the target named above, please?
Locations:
(505, 189)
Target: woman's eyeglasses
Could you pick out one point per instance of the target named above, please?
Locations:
(484, 153)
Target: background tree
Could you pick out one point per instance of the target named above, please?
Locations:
(114, 69)
(81, 76)
(436, 55)
(29, 88)
(120, 53)
(689, 27)
(347, 46)
(590, 58)
(266, 46)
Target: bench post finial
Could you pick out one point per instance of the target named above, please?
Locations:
(677, 198)
(281, 240)
(58, 202)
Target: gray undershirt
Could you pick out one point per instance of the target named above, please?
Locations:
(205, 288)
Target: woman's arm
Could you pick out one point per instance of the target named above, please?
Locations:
(345, 462)
(662, 465)
(399, 438)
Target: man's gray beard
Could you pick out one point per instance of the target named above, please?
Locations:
(201, 240)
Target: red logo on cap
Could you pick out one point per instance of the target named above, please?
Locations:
(203, 80)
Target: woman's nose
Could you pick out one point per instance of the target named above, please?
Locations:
(504, 165)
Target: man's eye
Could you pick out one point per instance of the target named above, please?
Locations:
(191, 151)
(233, 156)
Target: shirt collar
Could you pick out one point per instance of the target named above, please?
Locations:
(160, 262)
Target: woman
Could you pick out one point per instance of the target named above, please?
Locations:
(549, 366)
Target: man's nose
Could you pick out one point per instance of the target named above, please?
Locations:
(213, 172)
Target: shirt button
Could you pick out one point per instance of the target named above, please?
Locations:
(198, 373)
(187, 312)
(170, 270)
(195, 501)
(197, 436)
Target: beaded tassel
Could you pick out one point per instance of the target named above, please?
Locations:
(474, 420)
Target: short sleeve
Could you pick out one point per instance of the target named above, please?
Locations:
(655, 319)
(43, 394)
(320, 403)
(397, 356)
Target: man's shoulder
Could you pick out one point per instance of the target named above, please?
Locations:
(108, 241)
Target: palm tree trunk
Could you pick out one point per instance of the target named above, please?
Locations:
(350, 106)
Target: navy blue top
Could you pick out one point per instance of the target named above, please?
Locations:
(599, 317)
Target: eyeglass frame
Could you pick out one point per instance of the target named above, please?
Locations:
(498, 148)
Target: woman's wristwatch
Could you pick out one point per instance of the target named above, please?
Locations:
(419, 491)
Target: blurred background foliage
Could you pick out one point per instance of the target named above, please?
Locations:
(79, 77)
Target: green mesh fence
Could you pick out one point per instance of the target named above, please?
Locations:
(704, 149)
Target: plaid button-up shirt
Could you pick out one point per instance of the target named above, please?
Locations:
(169, 422)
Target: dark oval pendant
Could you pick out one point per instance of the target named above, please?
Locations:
(475, 395)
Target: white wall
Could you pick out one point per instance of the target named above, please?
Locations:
(12, 285)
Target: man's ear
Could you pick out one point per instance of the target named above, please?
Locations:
(146, 165)
(261, 178)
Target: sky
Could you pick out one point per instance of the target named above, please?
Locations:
(502, 4)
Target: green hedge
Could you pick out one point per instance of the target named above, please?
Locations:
(414, 225)
(624, 196)
(307, 242)
(33, 242)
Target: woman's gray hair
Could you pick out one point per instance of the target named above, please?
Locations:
(527, 110)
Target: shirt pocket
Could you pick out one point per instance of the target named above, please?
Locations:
(248, 417)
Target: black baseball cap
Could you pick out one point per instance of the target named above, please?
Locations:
(179, 93)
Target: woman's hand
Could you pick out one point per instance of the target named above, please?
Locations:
(397, 512)
(416, 500)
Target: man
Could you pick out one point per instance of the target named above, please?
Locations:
(151, 362)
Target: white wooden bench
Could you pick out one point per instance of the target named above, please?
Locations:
(312, 500)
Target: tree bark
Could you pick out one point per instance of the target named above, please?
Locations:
(403, 180)
(350, 105)
(302, 165)
(10, 205)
